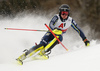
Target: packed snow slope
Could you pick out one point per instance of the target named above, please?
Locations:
(13, 42)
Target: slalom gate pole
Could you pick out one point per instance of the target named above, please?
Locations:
(25, 29)
(55, 36)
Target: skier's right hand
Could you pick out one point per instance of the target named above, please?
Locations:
(57, 31)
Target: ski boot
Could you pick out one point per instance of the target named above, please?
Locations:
(43, 55)
(21, 58)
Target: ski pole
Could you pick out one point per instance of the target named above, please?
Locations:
(55, 36)
(25, 29)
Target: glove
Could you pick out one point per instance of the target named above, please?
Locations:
(57, 31)
(87, 43)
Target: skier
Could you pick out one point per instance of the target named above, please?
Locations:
(59, 25)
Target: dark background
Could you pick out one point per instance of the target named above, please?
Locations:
(87, 12)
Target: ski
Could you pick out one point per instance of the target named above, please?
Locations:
(36, 57)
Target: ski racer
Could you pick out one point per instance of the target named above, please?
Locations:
(59, 25)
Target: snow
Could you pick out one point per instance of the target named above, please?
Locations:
(78, 58)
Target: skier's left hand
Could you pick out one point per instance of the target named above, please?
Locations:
(87, 42)
(57, 31)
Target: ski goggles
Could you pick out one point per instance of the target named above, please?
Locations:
(64, 13)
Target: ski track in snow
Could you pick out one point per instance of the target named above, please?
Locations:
(13, 42)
